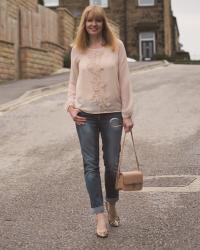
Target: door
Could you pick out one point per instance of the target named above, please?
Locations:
(147, 45)
(147, 50)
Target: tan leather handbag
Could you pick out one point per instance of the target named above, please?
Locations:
(129, 180)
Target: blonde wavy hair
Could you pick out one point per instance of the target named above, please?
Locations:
(81, 40)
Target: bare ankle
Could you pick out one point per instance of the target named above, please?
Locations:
(100, 216)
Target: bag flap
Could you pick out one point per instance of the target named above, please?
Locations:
(132, 177)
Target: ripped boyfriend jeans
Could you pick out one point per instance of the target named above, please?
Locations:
(109, 126)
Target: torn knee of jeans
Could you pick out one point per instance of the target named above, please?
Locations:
(115, 123)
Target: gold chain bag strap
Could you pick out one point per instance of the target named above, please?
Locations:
(129, 180)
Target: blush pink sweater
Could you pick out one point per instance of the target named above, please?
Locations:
(99, 81)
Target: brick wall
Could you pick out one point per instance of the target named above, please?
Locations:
(7, 62)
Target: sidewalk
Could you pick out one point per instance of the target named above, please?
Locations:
(12, 90)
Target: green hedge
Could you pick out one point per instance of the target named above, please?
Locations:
(67, 59)
(194, 62)
(163, 57)
(41, 2)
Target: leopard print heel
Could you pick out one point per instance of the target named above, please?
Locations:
(113, 218)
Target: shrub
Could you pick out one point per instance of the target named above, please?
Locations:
(67, 59)
(41, 2)
(134, 56)
(196, 62)
(163, 57)
(182, 56)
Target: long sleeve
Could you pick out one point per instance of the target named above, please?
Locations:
(72, 79)
(125, 87)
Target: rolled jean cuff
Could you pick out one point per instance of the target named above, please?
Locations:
(112, 200)
(97, 210)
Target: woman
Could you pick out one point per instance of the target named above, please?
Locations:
(99, 101)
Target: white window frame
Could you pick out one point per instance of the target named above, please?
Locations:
(147, 4)
(103, 3)
(51, 3)
(141, 39)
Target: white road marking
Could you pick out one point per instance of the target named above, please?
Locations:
(194, 186)
(31, 96)
(142, 71)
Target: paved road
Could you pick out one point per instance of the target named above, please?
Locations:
(14, 89)
(11, 90)
(43, 200)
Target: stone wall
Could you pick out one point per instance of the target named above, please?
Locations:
(168, 24)
(66, 27)
(75, 7)
(7, 60)
(33, 38)
(34, 62)
(144, 19)
(14, 5)
(38, 26)
(10, 40)
(175, 37)
(116, 12)
(37, 62)
(55, 55)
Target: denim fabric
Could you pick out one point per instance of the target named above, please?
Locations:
(109, 126)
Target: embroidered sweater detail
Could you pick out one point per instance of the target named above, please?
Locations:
(99, 81)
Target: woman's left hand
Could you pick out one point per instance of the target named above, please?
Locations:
(128, 124)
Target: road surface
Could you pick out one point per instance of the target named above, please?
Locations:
(43, 200)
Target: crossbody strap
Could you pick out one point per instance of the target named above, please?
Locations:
(122, 150)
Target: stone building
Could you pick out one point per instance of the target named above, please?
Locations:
(147, 27)
(34, 39)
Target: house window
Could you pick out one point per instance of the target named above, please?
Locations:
(102, 3)
(146, 2)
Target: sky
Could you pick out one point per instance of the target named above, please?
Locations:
(187, 13)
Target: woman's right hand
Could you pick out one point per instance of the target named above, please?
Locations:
(79, 120)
